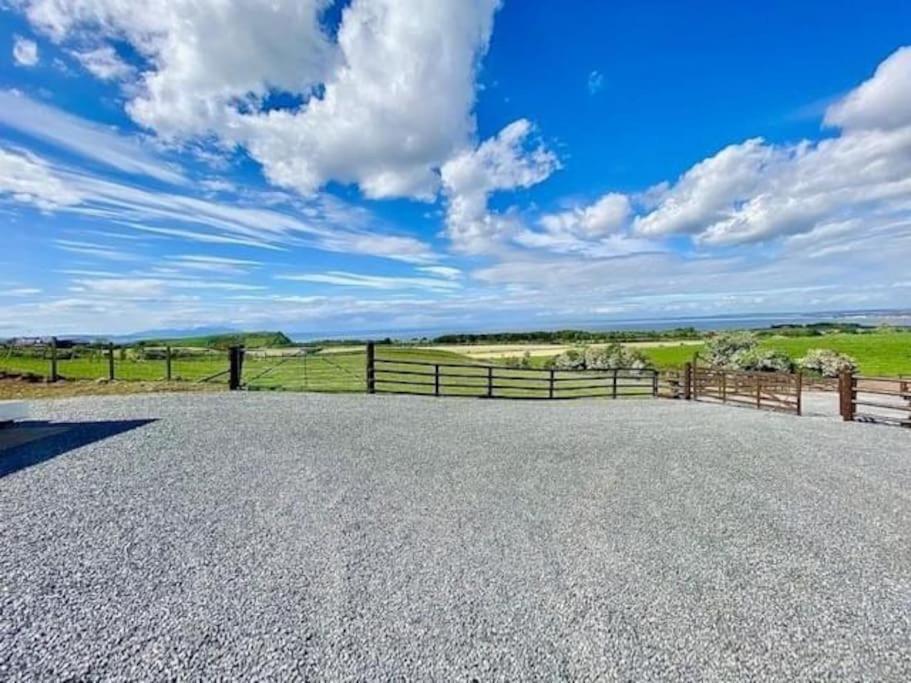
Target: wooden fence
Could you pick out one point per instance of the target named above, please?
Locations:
(875, 399)
(778, 391)
(399, 376)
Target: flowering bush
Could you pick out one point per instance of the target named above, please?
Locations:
(601, 358)
(721, 349)
(762, 360)
(827, 363)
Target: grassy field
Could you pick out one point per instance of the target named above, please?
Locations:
(343, 370)
(877, 353)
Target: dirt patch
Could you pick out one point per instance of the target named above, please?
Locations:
(28, 387)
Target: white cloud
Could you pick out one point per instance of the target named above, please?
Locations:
(883, 102)
(595, 82)
(345, 279)
(757, 191)
(384, 105)
(85, 138)
(104, 63)
(607, 215)
(503, 162)
(447, 272)
(25, 51)
(28, 179)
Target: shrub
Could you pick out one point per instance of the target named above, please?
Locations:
(573, 359)
(827, 363)
(721, 349)
(762, 360)
(522, 362)
(601, 358)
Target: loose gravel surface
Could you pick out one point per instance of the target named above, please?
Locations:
(281, 536)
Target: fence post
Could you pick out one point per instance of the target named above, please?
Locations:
(847, 392)
(489, 381)
(110, 361)
(53, 375)
(724, 386)
(655, 383)
(614, 385)
(235, 367)
(688, 381)
(371, 368)
(758, 391)
(436, 379)
(799, 393)
(550, 386)
(167, 363)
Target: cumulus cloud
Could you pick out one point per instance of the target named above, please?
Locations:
(756, 191)
(383, 105)
(504, 162)
(25, 51)
(883, 102)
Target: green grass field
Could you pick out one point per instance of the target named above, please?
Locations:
(878, 353)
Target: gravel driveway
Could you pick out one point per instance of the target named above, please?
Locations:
(292, 536)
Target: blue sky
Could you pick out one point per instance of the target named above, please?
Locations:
(380, 165)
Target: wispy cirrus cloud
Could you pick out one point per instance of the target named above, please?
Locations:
(28, 179)
(345, 279)
(88, 140)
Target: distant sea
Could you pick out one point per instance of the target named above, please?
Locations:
(721, 322)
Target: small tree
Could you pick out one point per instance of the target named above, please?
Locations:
(827, 363)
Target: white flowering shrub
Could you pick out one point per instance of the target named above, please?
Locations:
(827, 363)
(762, 360)
(721, 349)
(574, 359)
(601, 358)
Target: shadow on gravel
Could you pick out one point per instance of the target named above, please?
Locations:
(31, 443)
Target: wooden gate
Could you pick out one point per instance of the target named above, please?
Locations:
(875, 399)
(778, 391)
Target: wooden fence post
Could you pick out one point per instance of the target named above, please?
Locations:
(550, 386)
(371, 368)
(724, 386)
(758, 391)
(655, 383)
(847, 392)
(614, 384)
(799, 393)
(436, 379)
(235, 367)
(688, 382)
(110, 362)
(52, 377)
(167, 363)
(490, 381)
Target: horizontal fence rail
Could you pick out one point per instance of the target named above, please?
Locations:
(777, 391)
(397, 376)
(884, 400)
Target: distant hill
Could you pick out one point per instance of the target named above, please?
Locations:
(251, 340)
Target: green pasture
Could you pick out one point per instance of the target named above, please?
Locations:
(877, 353)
